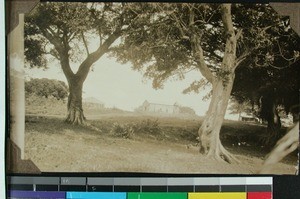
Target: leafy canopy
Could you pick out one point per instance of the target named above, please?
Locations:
(162, 47)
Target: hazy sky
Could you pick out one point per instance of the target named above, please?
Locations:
(117, 85)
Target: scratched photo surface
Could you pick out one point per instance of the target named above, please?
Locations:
(154, 88)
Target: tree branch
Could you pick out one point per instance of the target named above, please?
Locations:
(63, 53)
(85, 44)
(93, 57)
(240, 59)
(198, 51)
(281, 54)
(231, 39)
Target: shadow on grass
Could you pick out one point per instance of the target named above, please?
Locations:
(52, 125)
(238, 137)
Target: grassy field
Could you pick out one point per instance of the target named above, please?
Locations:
(130, 142)
(56, 146)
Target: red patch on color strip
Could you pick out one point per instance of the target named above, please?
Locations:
(259, 195)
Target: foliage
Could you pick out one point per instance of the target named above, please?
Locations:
(238, 107)
(122, 130)
(36, 105)
(127, 130)
(46, 88)
(77, 34)
(148, 126)
(163, 47)
(274, 68)
(282, 84)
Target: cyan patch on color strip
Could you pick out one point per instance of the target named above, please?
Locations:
(96, 195)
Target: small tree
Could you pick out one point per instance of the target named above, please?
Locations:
(66, 30)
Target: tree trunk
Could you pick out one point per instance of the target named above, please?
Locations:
(273, 129)
(209, 132)
(240, 116)
(75, 111)
(270, 114)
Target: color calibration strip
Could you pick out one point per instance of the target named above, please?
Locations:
(140, 188)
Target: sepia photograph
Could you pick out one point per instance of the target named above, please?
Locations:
(173, 88)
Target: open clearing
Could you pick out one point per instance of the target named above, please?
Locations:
(58, 147)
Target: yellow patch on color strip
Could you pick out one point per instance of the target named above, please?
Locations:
(218, 195)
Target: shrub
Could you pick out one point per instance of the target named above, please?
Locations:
(148, 126)
(46, 88)
(122, 130)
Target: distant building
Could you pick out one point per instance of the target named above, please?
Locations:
(154, 108)
(92, 103)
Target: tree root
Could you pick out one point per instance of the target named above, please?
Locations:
(77, 118)
(222, 155)
(227, 156)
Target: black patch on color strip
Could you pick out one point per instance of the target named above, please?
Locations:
(72, 188)
(20, 187)
(233, 188)
(207, 188)
(126, 188)
(259, 188)
(154, 189)
(100, 188)
(46, 187)
(181, 188)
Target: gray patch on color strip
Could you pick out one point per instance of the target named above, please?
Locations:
(100, 181)
(207, 181)
(73, 180)
(233, 181)
(259, 180)
(127, 181)
(154, 181)
(180, 181)
(34, 180)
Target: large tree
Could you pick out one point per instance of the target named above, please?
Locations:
(270, 90)
(213, 39)
(76, 34)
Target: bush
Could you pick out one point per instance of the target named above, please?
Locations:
(46, 88)
(122, 130)
(130, 129)
(148, 126)
(45, 106)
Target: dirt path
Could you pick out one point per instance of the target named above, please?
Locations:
(67, 151)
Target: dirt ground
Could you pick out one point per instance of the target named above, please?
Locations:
(64, 149)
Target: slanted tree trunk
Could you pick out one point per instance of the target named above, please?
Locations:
(286, 145)
(222, 82)
(75, 110)
(209, 132)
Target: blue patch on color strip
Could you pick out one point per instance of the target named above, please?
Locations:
(98, 195)
(37, 194)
